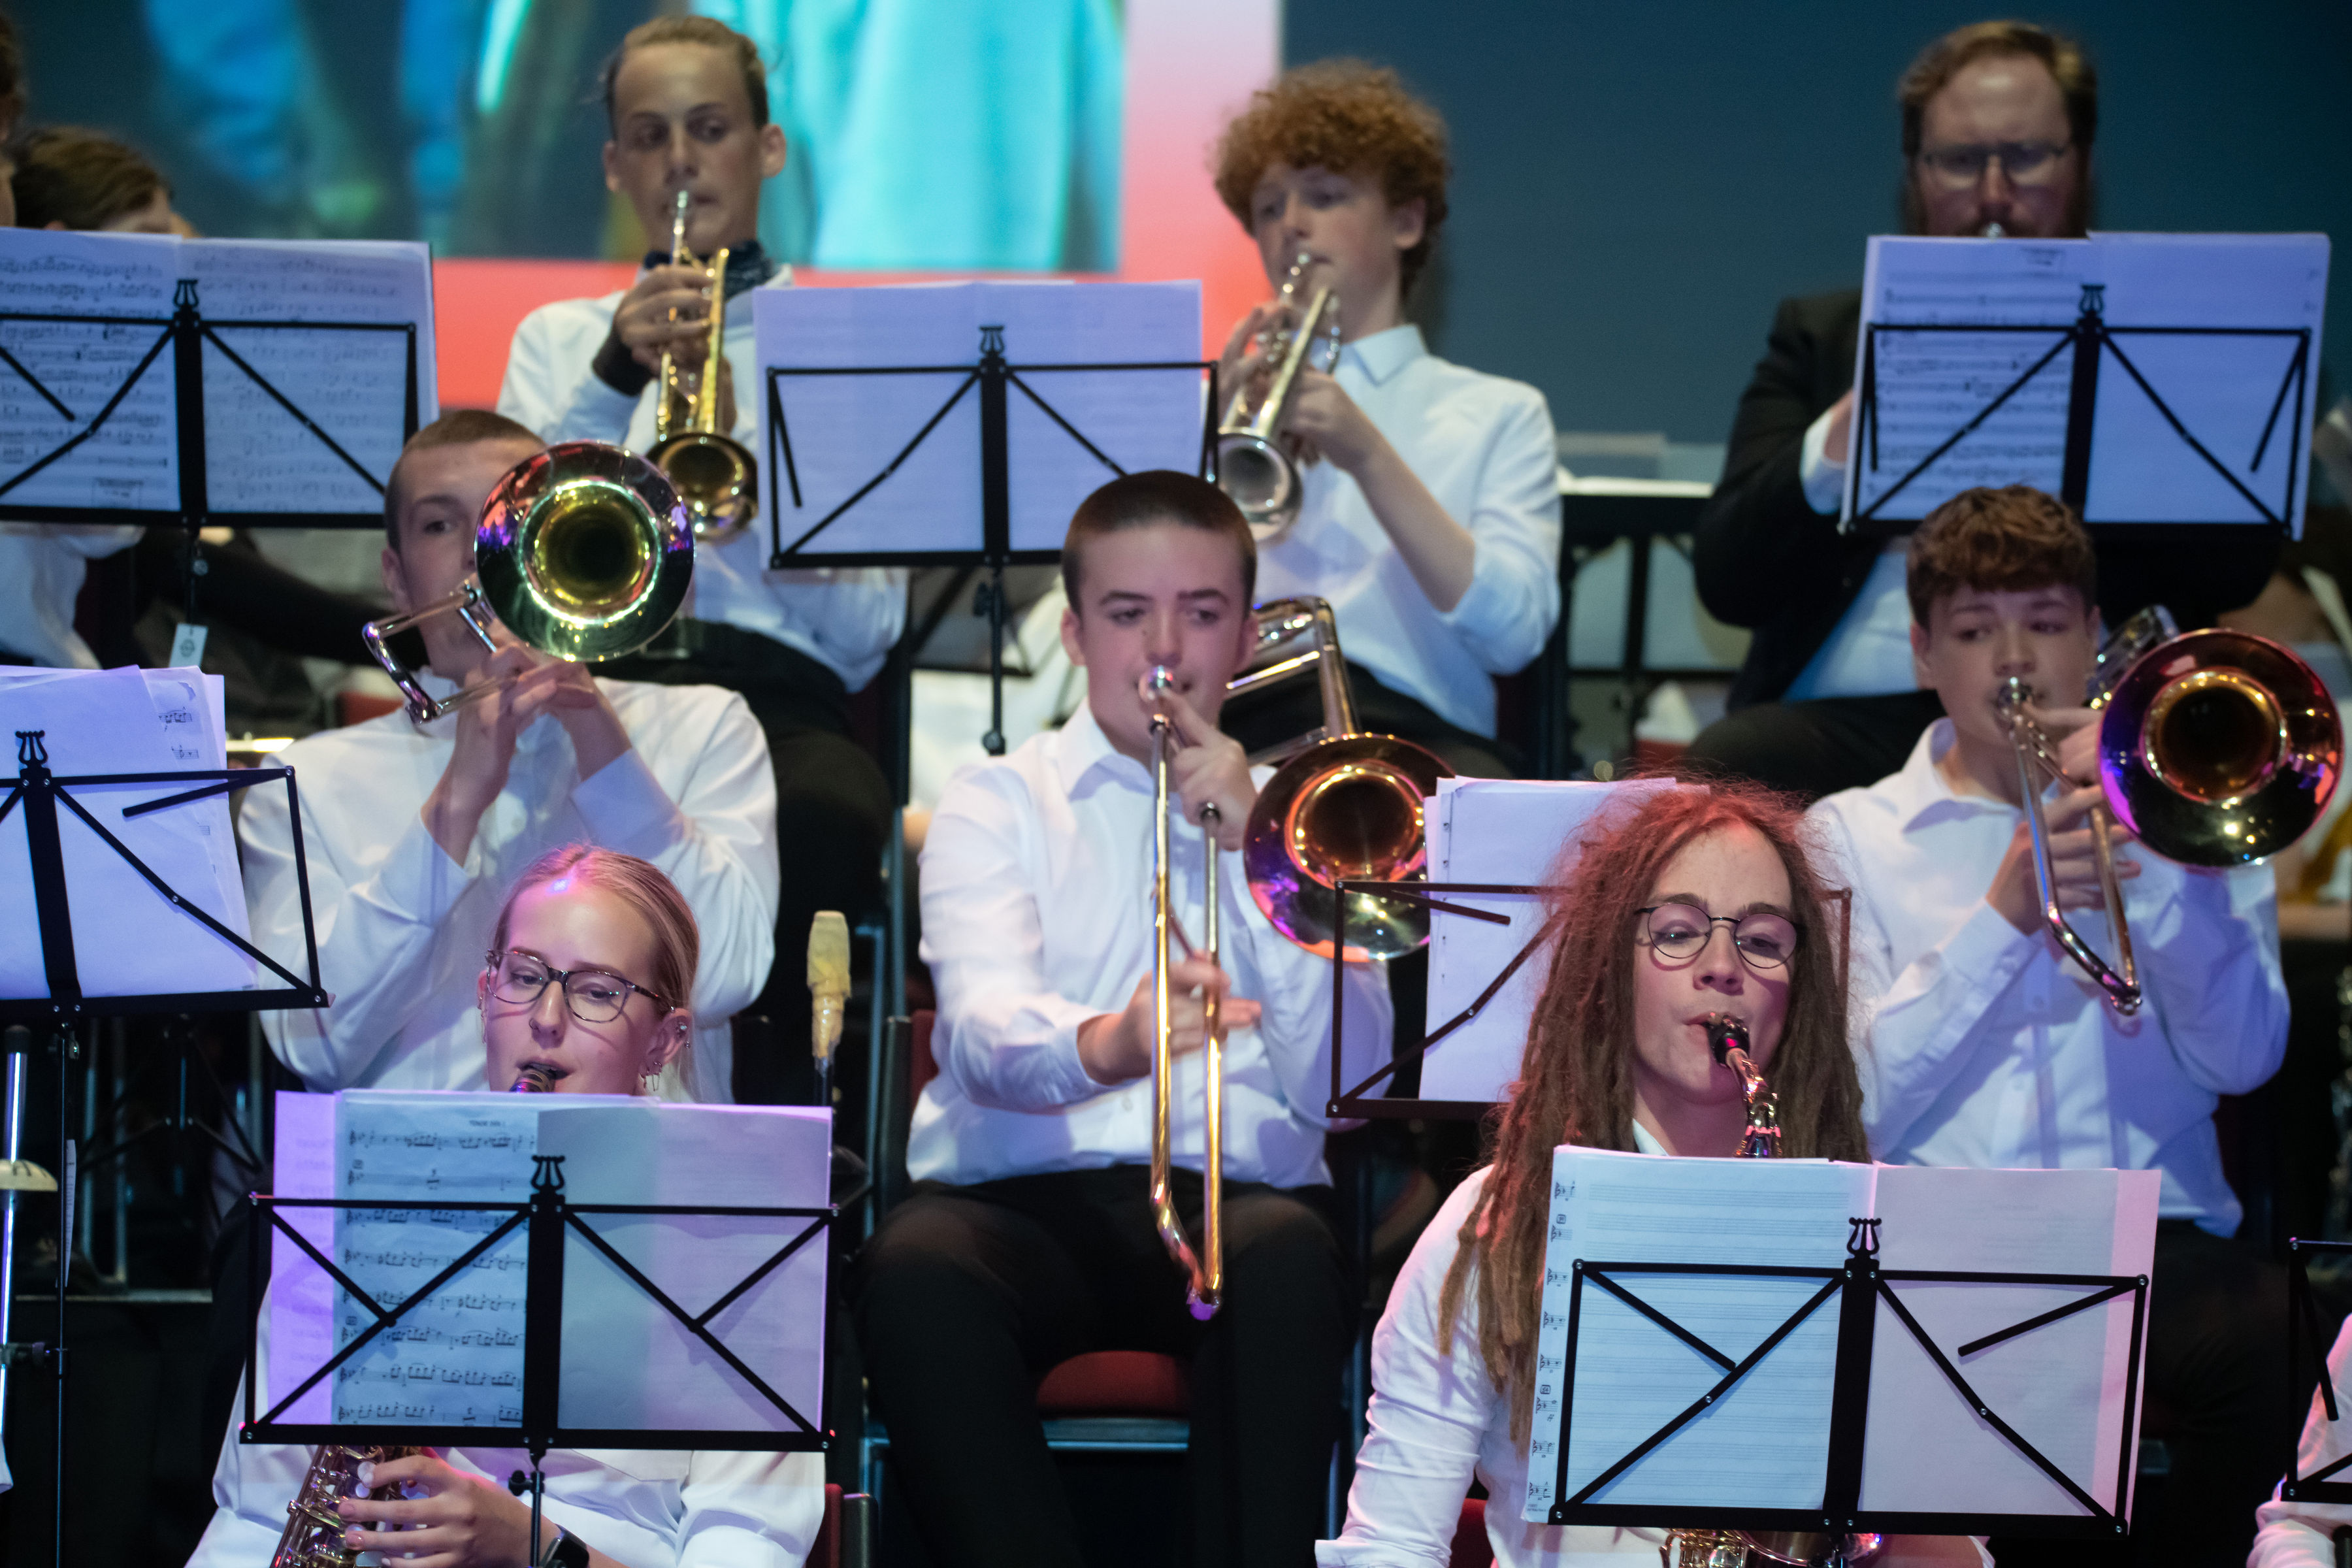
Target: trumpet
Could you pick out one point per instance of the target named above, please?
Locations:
(1728, 1042)
(584, 550)
(1346, 805)
(2216, 748)
(1204, 1272)
(717, 478)
(1252, 466)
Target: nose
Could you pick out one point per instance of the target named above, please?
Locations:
(1163, 641)
(1718, 966)
(1996, 191)
(550, 1015)
(681, 153)
(2013, 652)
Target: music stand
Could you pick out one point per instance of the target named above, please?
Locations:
(41, 792)
(2303, 1329)
(547, 1220)
(1858, 1288)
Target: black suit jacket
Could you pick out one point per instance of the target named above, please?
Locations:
(1766, 560)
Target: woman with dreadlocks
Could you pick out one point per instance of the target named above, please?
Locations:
(1692, 903)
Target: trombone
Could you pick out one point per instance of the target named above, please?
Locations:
(1344, 805)
(1204, 1272)
(1253, 466)
(2216, 748)
(717, 478)
(584, 550)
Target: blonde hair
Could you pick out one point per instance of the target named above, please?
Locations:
(678, 944)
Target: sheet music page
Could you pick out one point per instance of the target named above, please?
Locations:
(628, 1363)
(845, 430)
(1508, 832)
(352, 385)
(2230, 366)
(301, 1295)
(129, 940)
(132, 461)
(1631, 1377)
(2061, 1386)
(188, 705)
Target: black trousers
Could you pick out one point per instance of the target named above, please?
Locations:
(2217, 1396)
(833, 817)
(1817, 748)
(967, 1296)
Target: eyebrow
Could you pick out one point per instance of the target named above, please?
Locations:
(591, 967)
(1760, 907)
(663, 116)
(1127, 596)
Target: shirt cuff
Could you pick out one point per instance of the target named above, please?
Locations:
(1825, 480)
(1487, 602)
(626, 808)
(618, 369)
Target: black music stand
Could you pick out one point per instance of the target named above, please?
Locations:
(1857, 1288)
(546, 1219)
(2088, 342)
(41, 792)
(2303, 1330)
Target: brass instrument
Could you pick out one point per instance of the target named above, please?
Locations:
(584, 550)
(1204, 1272)
(1726, 1040)
(717, 478)
(1345, 805)
(2216, 748)
(313, 1537)
(1252, 466)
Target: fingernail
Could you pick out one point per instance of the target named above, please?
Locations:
(366, 1472)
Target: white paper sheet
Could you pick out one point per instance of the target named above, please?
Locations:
(1511, 833)
(629, 1364)
(2223, 388)
(301, 1294)
(128, 939)
(351, 386)
(1632, 1376)
(846, 429)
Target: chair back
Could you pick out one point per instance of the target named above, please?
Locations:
(1471, 1547)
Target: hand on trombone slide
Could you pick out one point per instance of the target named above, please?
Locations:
(1116, 1047)
(1208, 767)
(2074, 858)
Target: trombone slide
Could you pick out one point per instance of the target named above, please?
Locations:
(1204, 1272)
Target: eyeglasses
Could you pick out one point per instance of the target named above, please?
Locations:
(593, 996)
(1962, 164)
(1764, 939)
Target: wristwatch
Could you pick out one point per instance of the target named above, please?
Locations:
(569, 1551)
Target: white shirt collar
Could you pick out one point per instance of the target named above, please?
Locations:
(1643, 1143)
(1921, 793)
(1382, 354)
(1080, 747)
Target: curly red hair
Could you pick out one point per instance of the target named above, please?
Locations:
(1350, 117)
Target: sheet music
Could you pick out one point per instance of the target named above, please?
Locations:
(301, 1295)
(1633, 1377)
(1507, 832)
(846, 429)
(2223, 382)
(132, 462)
(2060, 1386)
(456, 1358)
(129, 940)
(352, 384)
(629, 1364)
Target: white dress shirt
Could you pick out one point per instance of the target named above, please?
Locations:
(1436, 1420)
(2301, 1534)
(645, 1507)
(1868, 652)
(402, 928)
(42, 565)
(1036, 879)
(1484, 446)
(846, 618)
(1989, 1048)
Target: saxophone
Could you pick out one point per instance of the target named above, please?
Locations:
(1727, 1038)
(314, 1530)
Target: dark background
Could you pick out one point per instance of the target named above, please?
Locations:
(1635, 186)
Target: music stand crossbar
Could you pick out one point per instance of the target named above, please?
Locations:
(2304, 1330)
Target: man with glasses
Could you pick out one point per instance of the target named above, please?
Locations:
(1997, 123)
(413, 833)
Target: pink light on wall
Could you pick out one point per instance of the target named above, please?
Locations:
(1191, 64)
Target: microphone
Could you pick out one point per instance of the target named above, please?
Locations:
(828, 983)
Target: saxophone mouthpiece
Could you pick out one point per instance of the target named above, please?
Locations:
(1724, 1034)
(534, 1078)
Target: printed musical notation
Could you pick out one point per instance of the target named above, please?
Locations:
(321, 436)
(468, 1336)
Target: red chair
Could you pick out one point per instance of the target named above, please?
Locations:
(1471, 1547)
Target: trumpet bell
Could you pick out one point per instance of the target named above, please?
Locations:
(2219, 749)
(1262, 480)
(585, 551)
(717, 479)
(1350, 808)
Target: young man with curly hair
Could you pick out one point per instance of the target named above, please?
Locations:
(1988, 1048)
(1431, 518)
